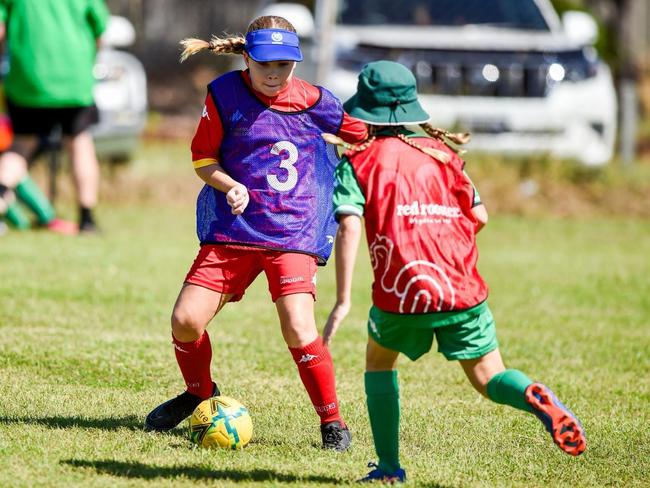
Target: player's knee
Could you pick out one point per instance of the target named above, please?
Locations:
(299, 333)
(379, 362)
(375, 364)
(305, 335)
(185, 324)
(378, 358)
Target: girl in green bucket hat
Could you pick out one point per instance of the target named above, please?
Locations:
(421, 215)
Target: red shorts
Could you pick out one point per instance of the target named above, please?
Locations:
(231, 270)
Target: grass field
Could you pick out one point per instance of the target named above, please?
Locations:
(85, 353)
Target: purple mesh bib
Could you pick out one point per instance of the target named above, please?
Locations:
(286, 166)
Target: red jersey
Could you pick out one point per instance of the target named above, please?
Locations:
(420, 228)
(297, 95)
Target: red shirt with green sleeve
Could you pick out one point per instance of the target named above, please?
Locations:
(419, 226)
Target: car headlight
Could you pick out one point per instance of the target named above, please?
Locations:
(574, 65)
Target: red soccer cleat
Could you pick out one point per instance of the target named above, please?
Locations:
(565, 428)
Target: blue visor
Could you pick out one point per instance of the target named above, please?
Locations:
(273, 45)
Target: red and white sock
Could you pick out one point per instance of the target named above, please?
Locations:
(194, 359)
(316, 371)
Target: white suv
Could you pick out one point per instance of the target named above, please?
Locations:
(509, 71)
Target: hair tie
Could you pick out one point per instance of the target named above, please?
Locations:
(212, 45)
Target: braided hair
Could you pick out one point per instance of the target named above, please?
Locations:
(436, 133)
(233, 44)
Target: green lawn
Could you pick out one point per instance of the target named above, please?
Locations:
(85, 353)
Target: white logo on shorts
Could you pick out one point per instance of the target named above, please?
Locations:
(373, 327)
(285, 280)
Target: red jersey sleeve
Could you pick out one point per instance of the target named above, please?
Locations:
(208, 136)
(352, 130)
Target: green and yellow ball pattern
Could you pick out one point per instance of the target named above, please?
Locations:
(221, 422)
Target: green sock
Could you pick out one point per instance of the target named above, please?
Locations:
(16, 217)
(31, 195)
(508, 388)
(382, 394)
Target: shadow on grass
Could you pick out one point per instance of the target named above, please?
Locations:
(148, 472)
(130, 422)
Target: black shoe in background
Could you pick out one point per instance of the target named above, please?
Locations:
(87, 224)
(88, 227)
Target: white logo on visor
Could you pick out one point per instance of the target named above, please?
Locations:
(276, 36)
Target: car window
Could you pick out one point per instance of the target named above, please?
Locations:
(520, 14)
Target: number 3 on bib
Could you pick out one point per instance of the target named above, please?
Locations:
(287, 164)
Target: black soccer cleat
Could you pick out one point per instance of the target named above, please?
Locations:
(335, 435)
(168, 415)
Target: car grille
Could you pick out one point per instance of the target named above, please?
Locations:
(478, 73)
(489, 79)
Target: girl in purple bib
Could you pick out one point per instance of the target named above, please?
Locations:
(265, 206)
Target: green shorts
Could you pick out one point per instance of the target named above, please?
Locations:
(466, 334)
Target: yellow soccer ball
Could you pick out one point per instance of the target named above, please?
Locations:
(221, 422)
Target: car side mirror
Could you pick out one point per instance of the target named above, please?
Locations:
(580, 27)
(119, 32)
(299, 15)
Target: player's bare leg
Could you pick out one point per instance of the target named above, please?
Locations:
(296, 313)
(511, 387)
(194, 308)
(85, 169)
(15, 183)
(379, 358)
(480, 371)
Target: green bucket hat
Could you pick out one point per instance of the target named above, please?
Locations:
(386, 95)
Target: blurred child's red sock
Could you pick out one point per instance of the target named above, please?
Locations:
(317, 374)
(194, 360)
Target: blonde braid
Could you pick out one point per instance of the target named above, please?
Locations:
(442, 135)
(225, 45)
(233, 45)
(337, 141)
(441, 156)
